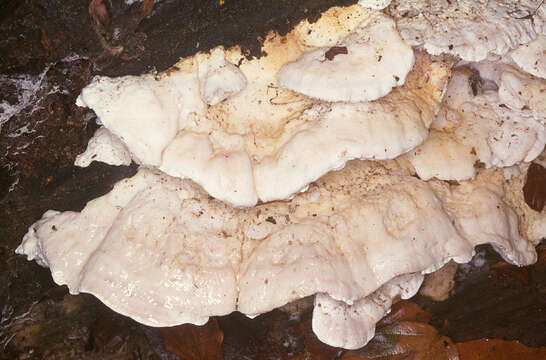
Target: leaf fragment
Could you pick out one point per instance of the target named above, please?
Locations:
(192, 342)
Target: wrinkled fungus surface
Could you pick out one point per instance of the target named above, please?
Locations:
(358, 154)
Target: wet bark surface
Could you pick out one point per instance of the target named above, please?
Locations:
(49, 50)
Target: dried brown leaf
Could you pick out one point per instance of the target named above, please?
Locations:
(496, 349)
(439, 285)
(534, 190)
(314, 348)
(317, 350)
(99, 14)
(405, 311)
(192, 342)
(147, 7)
(406, 340)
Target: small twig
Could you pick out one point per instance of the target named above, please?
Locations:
(8, 340)
(529, 16)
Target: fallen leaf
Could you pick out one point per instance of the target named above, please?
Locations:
(99, 14)
(192, 342)
(317, 350)
(534, 190)
(147, 7)
(439, 284)
(496, 349)
(314, 349)
(405, 311)
(406, 340)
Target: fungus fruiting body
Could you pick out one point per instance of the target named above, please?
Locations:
(497, 127)
(159, 250)
(346, 163)
(262, 141)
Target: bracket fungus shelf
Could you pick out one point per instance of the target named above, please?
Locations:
(359, 153)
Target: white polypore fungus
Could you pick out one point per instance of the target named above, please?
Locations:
(351, 326)
(364, 66)
(482, 214)
(152, 113)
(496, 127)
(226, 175)
(470, 29)
(531, 57)
(104, 147)
(333, 26)
(338, 133)
(517, 90)
(158, 249)
(266, 142)
(444, 157)
(218, 78)
(147, 250)
(144, 112)
(520, 91)
(335, 133)
(511, 136)
(532, 224)
(374, 4)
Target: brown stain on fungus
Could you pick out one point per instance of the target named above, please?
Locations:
(270, 219)
(334, 51)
